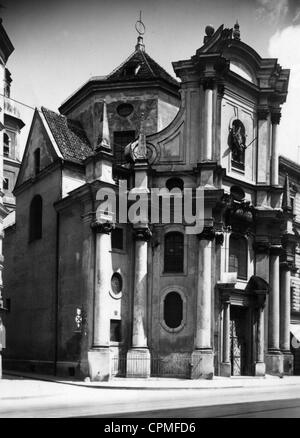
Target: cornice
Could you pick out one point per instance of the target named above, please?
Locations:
(95, 86)
(6, 47)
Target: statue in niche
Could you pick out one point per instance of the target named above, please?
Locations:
(237, 141)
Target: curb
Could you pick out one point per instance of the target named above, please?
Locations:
(141, 387)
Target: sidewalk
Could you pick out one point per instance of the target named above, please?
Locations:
(160, 383)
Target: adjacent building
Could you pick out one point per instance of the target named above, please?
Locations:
(97, 297)
(12, 149)
(6, 49)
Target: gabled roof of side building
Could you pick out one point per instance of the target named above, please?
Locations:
(69, 136)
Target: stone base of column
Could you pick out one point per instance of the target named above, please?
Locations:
(274, 363)
(99, 364)
(259, 369)
(288, 363)
(202, 362)
(225, 369)
(138, 363)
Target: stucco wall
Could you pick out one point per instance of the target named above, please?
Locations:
(32, 288)
(158, 109)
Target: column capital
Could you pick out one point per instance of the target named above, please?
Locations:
(219, 237)
(208, 233)
(262, 113)
(142, 233)
(208, 83)
(275, 250)
(287, 266)
(102, 227)
(261, 247)
(220, 89)
(275, 116)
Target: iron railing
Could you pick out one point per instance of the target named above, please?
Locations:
(161, 366)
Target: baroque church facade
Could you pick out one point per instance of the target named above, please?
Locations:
(96, 298)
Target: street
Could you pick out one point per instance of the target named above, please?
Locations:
(26, 398)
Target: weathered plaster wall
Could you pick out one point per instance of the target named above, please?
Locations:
(37, 139)
(32, 288)
(76, 285)
(158, 108)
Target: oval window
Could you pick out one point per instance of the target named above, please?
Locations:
(124, 109)
(173, 310)
(116, 283)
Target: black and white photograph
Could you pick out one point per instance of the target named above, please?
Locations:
(149, 211)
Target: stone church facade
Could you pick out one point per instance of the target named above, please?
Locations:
(91, 297)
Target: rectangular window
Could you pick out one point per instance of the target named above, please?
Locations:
(174, 252)
(37, 161)
(6, 184)
(7, 304)
(117, 238)
(121, 140)
(6, 150)
(238, 256)
(115, 330)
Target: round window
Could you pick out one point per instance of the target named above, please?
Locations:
(173, 310)
(124, 109)
(116, 283)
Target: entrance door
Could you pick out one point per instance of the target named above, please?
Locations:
(240, 345)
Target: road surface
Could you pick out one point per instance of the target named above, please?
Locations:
(35, 399)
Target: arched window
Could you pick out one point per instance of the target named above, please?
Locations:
(35, 218)
(238, 256)
(6, 145)
(174, 252)
(173, 183)
(173, 310)
(37, 161)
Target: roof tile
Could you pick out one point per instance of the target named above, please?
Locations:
(140, 66)
(69, 136)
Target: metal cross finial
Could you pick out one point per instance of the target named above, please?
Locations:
(139, 26)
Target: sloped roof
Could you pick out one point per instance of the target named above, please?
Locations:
(69, 136)
(138, 67)
(143, 67)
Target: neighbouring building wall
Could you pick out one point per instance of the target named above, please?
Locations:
(32, 289)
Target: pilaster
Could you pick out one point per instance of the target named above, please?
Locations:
(138, 357)
(202, 356)
(99, 359)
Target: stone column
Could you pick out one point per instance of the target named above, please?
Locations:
(285, 317)
(202, 356)
(225, 369)
(208, 87)
(260, 366)
(274, 357)
(263, 146)
(275, 119)
(138, 357)
(99, 355)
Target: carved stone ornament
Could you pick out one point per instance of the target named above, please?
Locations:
(143, 234)
(102, 227)
(261, 246)
(208, 233)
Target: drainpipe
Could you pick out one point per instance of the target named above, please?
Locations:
(56, 295)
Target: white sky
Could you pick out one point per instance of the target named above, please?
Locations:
(60, 44)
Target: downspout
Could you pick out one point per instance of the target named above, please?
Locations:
(57, 281)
